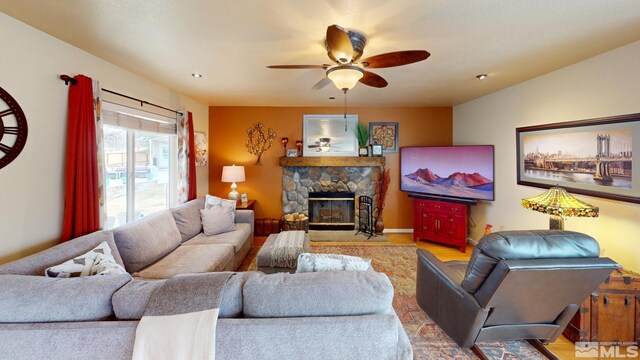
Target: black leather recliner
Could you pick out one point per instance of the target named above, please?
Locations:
(518, 285)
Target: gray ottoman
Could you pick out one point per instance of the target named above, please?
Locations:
(263, 260)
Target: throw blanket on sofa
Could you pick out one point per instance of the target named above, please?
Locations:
(180, 319)
(287, 247)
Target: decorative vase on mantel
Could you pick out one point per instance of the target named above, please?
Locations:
(379, 225)
(363, 151)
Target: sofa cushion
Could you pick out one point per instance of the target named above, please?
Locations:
(187, 218)
(217, 220)
(332, 293)
(525, 244)
(331, 262)
(43, 299)
(98, 261)
(190, 259)
(237, 237)
(130, 301)
(146, 240)
(232, 298)
(37, 263)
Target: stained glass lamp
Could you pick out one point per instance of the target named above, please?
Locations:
(558, 203)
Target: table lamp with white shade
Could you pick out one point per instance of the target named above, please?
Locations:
(233, 174)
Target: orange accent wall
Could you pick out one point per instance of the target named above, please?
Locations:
(227, 138)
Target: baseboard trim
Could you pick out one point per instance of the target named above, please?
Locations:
(398, 231)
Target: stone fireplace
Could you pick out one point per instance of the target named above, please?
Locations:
(347, 177)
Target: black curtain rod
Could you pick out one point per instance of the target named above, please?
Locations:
(68, 79)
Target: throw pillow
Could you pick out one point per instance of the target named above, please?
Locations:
(211, 201)
(98, 261)
(217, 220)
(330, 262)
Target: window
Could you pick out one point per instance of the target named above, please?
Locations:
(140, 163)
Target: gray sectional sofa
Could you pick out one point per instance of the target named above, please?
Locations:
(330, 315)
(158, 246)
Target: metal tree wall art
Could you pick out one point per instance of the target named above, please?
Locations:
(259, 140)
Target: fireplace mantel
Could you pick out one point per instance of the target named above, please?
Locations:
(332, 161)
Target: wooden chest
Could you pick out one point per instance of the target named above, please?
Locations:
(611, 314)
(267, 226)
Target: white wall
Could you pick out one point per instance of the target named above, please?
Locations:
(605, 85)
(31, 187)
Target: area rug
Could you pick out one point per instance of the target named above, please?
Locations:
(343, 236)
(427, 339)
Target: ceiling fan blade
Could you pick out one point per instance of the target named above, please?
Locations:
(296, 66)
(339, 45)
(322, 83)
(374, 80)
(397, 58)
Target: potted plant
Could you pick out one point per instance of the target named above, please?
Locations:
(381, 195)
(362, 134)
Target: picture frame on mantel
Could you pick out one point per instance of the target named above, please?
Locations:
(590, 157)
(385, 134)
(329, 135)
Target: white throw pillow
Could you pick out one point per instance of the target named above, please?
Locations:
(217, 220)
(330, 262)
(98, 261)
(211, 201)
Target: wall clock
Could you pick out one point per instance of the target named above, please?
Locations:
(13, 129)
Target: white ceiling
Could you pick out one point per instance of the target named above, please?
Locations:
(232, 42)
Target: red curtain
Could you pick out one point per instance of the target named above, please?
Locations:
(81, 208)
(192, 161)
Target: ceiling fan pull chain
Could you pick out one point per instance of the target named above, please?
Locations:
(345, 110)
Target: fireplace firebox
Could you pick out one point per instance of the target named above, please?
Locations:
(332, 210)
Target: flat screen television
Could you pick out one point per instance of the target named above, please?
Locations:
(464, 172)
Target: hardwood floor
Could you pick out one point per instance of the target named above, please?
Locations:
(562, 347)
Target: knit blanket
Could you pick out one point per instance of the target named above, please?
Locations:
(180, 319)
(287, 247)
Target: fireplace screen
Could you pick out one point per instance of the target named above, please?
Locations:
(331, 211)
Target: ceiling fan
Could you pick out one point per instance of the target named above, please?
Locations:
(345, 47)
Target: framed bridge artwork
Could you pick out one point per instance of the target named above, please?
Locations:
(591, 157)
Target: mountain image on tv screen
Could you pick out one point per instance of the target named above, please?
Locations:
(450, 171)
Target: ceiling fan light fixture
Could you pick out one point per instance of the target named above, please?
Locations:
(345, 77)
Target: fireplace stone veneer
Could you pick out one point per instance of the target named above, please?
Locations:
(299, 181)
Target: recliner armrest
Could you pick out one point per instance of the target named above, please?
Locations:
(440, 267)
(446, 302)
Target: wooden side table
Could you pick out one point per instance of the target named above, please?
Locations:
(248, 206)
(611, 314)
